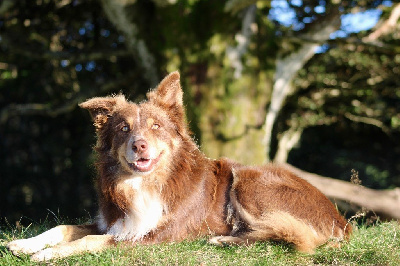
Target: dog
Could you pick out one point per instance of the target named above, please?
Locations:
(155, 185)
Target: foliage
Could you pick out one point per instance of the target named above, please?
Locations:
(378, 244)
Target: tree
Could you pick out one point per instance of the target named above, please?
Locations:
(354, 100)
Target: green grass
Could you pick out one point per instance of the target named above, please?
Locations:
(373, 245)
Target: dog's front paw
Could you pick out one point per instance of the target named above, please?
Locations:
(23, 246)
(216, 240)
(43, 255)
(228, 240)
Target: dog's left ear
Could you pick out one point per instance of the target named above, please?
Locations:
(168, 94)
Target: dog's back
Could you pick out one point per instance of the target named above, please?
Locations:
(270, 202)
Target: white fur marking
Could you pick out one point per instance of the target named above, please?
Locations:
(101, 222)
(34, 244)
(43, 255)
(144, 216)
(135, 183)
(138, 116)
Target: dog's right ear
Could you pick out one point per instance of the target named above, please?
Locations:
(168, 94)
(101, 108)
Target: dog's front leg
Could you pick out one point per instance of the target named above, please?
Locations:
(50, 238)
(89, 243)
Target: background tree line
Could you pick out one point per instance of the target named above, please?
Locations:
(264, 80)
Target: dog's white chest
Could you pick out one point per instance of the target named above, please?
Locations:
(145, 215)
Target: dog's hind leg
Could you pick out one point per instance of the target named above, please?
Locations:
(288, 229)
(54, 236)
(276, 226)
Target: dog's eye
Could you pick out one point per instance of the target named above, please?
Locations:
(155, 126)
(125, 129)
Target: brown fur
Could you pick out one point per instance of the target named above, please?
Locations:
(154, 185)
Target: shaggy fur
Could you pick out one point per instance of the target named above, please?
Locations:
(154, 185)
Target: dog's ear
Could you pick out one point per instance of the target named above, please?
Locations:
(168, 93)
(169, 96)
(101, 108)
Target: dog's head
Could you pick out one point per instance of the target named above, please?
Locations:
(141, 137)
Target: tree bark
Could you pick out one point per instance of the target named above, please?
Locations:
(235, 54)
(234, 99)
(385, 203)
(289, 139)
(117, 13)
(287, 68)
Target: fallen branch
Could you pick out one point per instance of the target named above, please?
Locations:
(383, 202)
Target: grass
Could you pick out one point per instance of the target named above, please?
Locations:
(373, 245)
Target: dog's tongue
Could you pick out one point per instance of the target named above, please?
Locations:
(143, 164)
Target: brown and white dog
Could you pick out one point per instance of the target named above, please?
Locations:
(155, 185)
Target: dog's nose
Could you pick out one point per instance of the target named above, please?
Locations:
(139, 146)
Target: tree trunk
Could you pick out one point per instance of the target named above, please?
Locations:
(288, 140)
(231, 123)
(287, 68)
(235, 96)
(383, 202)
(235, 54)
(118, 13)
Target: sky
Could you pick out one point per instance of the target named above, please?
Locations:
(351, 23)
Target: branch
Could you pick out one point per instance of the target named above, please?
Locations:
(5, 6)
(287, 68)
(163, 3)
(49, 109)
(383, 202)
(386, 27)
(73, 57)
(381, 47)
(235, 54)
(61, 55)
(235, 6)
(369, 121)
(118, 13)
(288, 140)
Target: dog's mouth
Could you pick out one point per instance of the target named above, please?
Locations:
(144, 164)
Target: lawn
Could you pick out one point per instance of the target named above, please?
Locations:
(369, 245)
